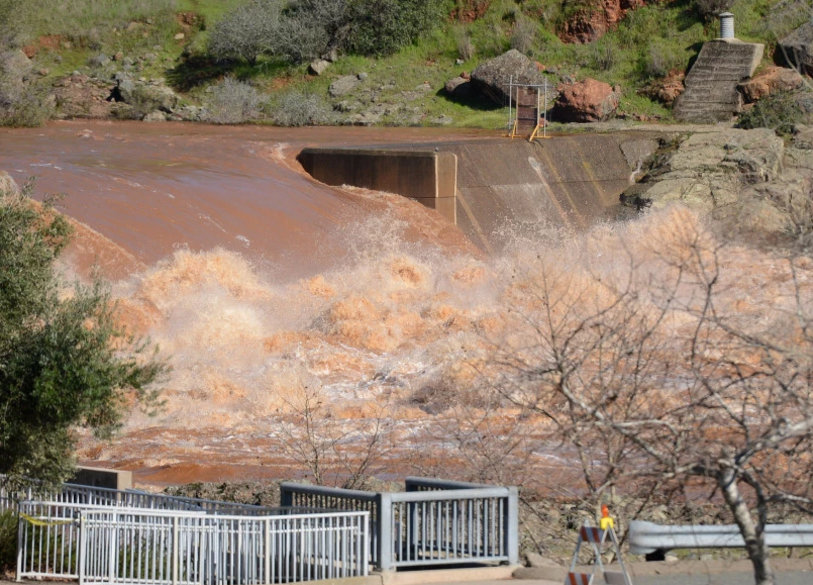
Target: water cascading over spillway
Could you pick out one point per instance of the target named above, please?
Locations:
(263, 286)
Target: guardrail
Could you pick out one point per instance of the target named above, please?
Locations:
(104, 545)
(647, 537)
(435, 522)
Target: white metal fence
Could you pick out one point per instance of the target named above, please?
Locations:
(104, 545)
(432, 523)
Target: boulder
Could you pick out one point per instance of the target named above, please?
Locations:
(770, 81)
(148, 96)
(14, 69)
(537, 561)
(344, 85)
(318, 67)
(797, 48)
(459, 87)
(803, 137)
(492, 77)
(15, 64)
(585, 101)
(156, 116)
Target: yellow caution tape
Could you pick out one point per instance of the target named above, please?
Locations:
(38, 522)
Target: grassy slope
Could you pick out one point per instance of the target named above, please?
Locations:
(649, 42)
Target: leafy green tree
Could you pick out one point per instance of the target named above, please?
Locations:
(64, 362)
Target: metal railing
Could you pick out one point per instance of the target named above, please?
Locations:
(435, 522)
(98, 496)
(104, 545)
(647, 537)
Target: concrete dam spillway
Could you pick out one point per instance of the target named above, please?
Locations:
(258, 281)
(493, 185)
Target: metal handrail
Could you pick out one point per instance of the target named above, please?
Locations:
(439, 523)
(74, 493)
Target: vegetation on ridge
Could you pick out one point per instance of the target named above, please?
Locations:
(402, 46)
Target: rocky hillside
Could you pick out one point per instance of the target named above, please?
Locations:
(332, 61)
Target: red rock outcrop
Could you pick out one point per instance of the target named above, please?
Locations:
(470, 10)
(770, 81)
(585, 101)
(589, 23)
(667, 89)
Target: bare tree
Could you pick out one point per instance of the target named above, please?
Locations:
(334, 450)
(682, 380)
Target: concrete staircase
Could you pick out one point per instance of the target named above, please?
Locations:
(711, 86)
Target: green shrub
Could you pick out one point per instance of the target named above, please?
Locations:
(381, 27)
(780, 112)
(603, 55)
(316, 28)
(523, 35)
(298, 109)
(22, 101)
(465, 47)
(30, 110)
(233, 102)
(709, 9)
(248, 31)
(660, 58)
(12, 24)
(8, 540)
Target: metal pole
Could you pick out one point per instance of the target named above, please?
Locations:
(510, 93)
(20, 538)
(386, 562)
(175, 555)
(512, 526)
(268, 580)
(82, 548)
(113, 553)
(545, 105)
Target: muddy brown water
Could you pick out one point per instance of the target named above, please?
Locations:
(265, 289)
(153, 188)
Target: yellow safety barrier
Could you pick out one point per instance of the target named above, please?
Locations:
(38, 522)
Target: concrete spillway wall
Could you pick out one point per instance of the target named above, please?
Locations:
(493, 188)
(427, 176)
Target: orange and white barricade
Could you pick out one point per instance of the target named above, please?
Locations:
(600, 539)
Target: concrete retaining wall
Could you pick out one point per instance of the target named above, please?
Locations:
(429, 177)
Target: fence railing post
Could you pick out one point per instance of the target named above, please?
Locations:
(20, 537)
(386, 548)
(112, 557)
(175, 547)
(267, 547)
(82, 549)
(512, 526)
(286, 497)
